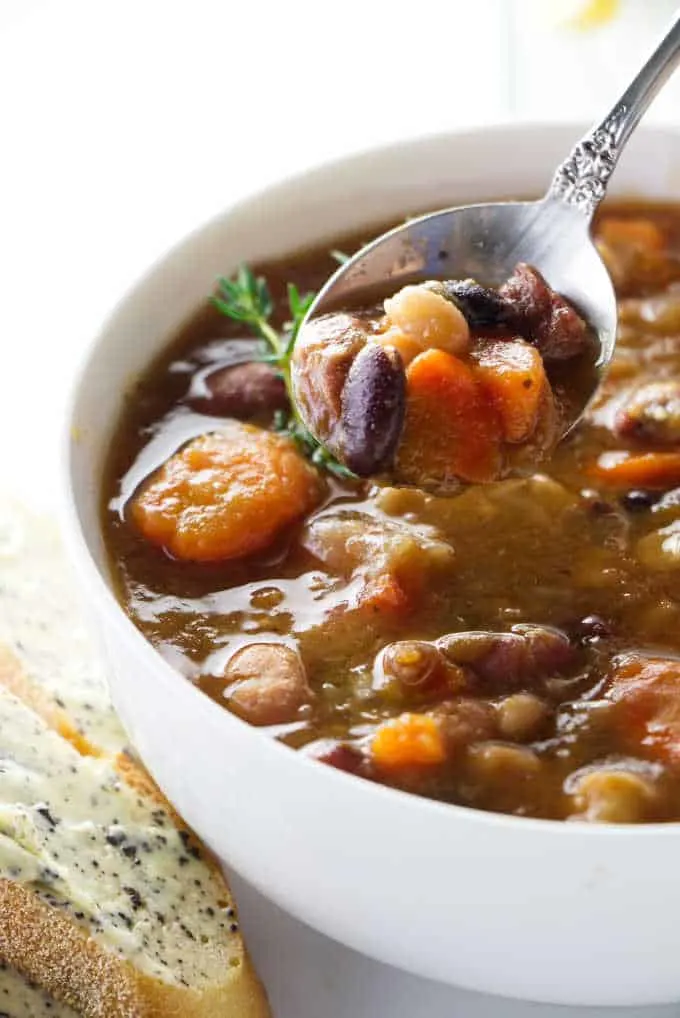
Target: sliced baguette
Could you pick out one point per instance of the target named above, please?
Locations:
(41, 620)
(106, 900)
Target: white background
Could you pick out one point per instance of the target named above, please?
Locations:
(124, 124)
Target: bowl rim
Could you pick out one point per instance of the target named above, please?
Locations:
(164, 673)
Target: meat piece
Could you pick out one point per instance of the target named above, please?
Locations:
(530, 297)
(266, 684)
(241, 390)
(505, 661)
(386, 570)
(543, 316)
(651, 413)
(465, 721)
(324, 353)
(355, 544)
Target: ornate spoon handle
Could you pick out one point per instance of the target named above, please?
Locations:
(581, 180)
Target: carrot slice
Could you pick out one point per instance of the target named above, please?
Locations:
(643, 470)
(411, 740)
(646, 697)
(226, 494)
(385, 595)
(512, 375)
(451, 430)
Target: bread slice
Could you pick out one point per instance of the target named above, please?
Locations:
(20, 998)
(41, 620)
(106, 900)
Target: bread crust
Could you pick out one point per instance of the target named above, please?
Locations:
(47, 946)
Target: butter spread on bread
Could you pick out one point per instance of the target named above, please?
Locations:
(41, 619)
(106, 899)
(19, 998)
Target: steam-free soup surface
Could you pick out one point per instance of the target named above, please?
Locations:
(513, 647)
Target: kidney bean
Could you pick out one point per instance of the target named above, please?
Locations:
(242, 391)
(373, 405)
(507, 660)
(481, 306)
(593, 628)
(324, 353)
(639, 500)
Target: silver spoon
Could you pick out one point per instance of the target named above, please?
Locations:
(485, 242)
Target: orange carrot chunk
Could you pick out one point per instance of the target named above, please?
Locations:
(226, 494)
(646, 697)
(512, 375)
(451, 430)
(411, 740)
(633, 470)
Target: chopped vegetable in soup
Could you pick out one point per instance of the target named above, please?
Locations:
(448, 382)
(513, 645)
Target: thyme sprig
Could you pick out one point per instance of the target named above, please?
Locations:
(246, 298)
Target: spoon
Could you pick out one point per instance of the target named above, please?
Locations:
(486, 241)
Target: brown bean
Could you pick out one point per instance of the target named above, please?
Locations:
(497, 762)
(242, 391)
(410, 662)
(549, 649)
(506, 660)
(424, 312)
(340, 755)
(373, 404)
(521, 716)
(266, 684)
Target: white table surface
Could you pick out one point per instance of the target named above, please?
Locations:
(124, 124)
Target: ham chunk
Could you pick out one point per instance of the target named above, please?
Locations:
(543, 316)
(357, 545)
(266, 684)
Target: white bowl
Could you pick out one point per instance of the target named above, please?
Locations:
(534, 909)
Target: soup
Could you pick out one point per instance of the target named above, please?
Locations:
(514, 646)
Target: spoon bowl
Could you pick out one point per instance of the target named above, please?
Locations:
(485, 242)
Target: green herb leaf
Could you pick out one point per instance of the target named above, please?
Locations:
(246, 298)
